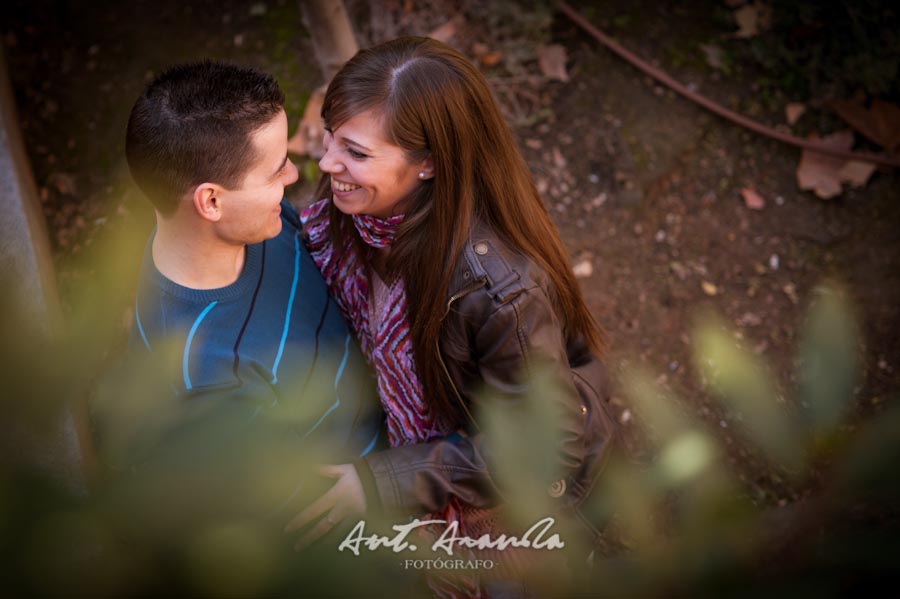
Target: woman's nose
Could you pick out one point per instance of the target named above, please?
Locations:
(328, 163)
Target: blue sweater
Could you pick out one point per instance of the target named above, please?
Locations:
(272, 339)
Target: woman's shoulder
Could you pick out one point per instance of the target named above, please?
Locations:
(499, 257)
(502, 270)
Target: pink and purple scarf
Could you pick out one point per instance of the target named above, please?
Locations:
(387, 345)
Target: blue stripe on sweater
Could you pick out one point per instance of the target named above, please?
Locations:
(337, 378)
(187, 345)
(137, 318)
(290, 308)
(340, 372)
(371, 444)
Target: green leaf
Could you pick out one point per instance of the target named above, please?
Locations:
(525, 440)
(745, 385)
(828, 360)
(659, 410)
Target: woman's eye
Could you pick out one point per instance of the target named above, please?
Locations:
(355, 154)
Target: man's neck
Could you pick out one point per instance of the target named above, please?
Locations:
(195, 257)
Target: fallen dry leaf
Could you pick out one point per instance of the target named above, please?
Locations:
(824, 174)
(552, 60)
(713, 54)
(308, 138)
(558, 159)
(485, 55)
(880, 122)
(752, 19)
(583, 269)
(490, 59)
(445, 32)
(599, 200)
(819, 172)
(709, 288)
(790, 290)
(793, 112)
(856, 173)
(745, 19)
(679, 269)
(752, 200)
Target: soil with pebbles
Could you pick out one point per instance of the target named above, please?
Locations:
(644, 186)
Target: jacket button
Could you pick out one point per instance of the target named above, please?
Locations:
(583, 410)
(481, 248)
(557, 488)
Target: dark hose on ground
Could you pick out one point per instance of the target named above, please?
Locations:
(718, 109)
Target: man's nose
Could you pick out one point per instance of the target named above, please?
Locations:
(291, 174)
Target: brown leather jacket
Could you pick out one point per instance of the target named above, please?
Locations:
(499, 318)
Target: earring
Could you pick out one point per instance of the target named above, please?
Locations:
(421, 174)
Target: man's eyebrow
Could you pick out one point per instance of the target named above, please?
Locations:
(280, 166)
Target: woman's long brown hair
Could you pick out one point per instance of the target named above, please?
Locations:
(433, 100)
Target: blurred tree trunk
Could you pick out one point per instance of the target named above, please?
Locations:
(331, 32)
(26, 261)
(29, 287)
(334, 44)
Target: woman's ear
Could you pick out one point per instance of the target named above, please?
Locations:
(426, 169)
(206, 201)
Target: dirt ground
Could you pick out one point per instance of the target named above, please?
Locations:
(644, 186)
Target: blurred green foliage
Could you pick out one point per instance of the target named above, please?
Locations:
(685, 524)
(184, 497)
(192, 496)
(696, 529)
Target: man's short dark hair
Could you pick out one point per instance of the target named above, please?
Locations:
(193, 124)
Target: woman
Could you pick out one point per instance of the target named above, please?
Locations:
(434, 242)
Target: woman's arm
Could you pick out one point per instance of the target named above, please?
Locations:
(512, 340)
(422, 478)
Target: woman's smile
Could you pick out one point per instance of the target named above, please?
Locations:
(341, 187)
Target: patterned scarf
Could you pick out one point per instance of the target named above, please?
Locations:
(388, 346)
(378, 233)
(386, 342)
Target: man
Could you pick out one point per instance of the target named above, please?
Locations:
(226, 280)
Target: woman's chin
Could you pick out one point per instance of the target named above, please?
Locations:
(345, 205)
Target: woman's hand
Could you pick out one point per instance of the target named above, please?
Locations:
(345, 499)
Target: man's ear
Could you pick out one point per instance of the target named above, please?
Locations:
(206, 201)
